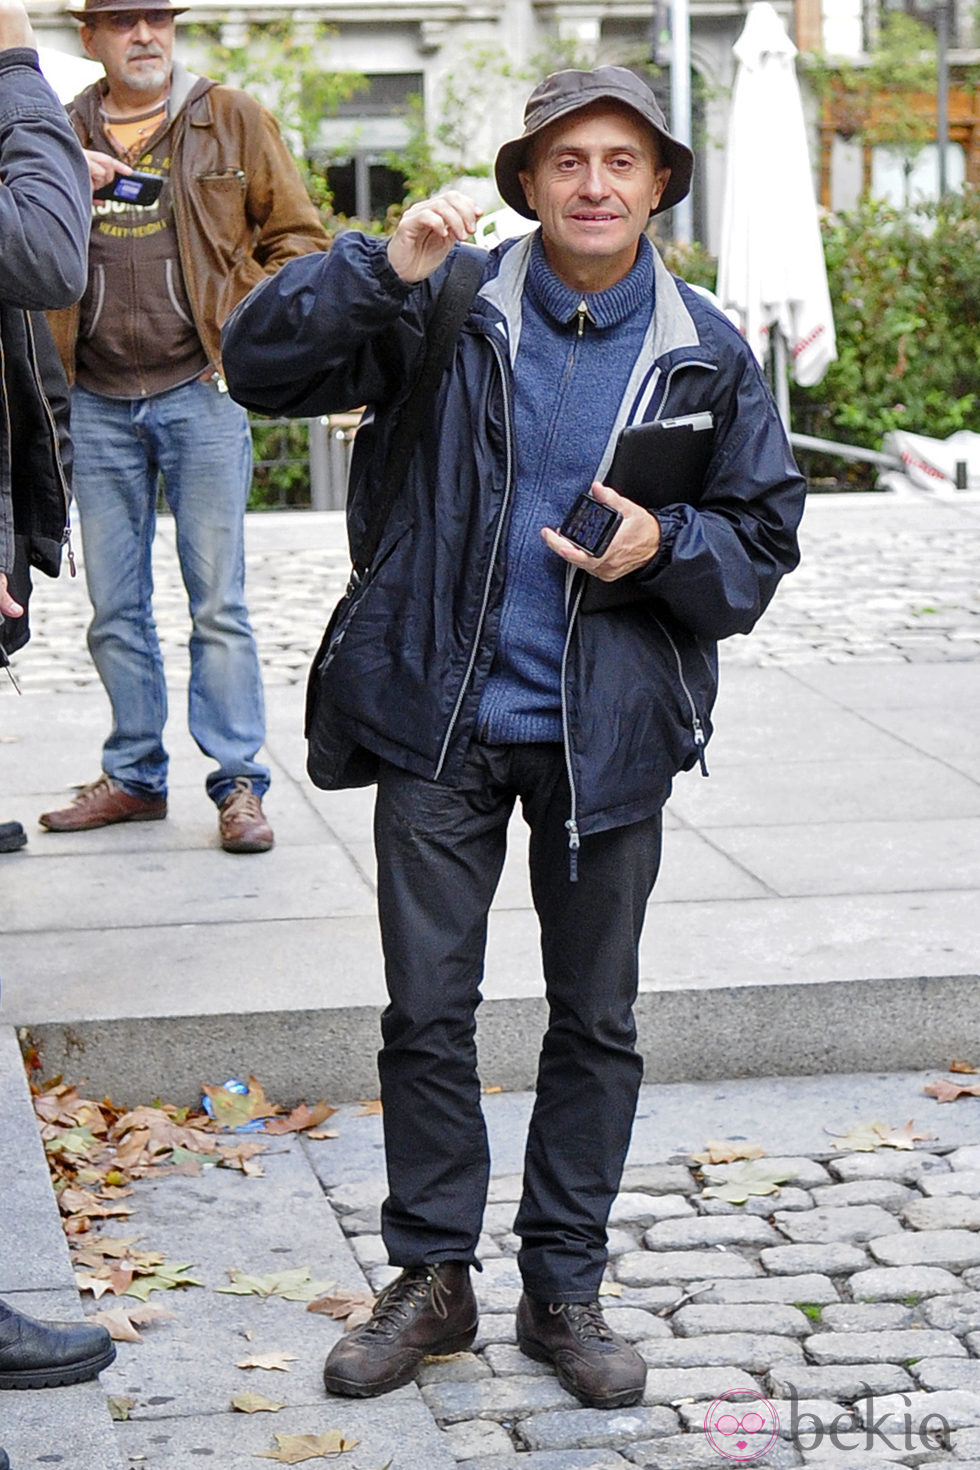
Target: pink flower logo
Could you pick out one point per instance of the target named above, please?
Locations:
(741, 1424)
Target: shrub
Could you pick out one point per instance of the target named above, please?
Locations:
(906, 294)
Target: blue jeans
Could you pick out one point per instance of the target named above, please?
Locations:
(440, 852)
(197, 439)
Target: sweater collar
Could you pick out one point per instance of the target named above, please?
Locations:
(606, 308)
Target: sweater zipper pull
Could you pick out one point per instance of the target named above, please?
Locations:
(574, 843)
(582, 312)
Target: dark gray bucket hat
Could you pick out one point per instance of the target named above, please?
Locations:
(565, 92)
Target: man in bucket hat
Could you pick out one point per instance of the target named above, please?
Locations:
(149, 402)
(488, 658)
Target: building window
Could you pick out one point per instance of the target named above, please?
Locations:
(925, 11)
(903, 181)
(354, 145)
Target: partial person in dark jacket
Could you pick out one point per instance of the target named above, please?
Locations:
(44, 206)
(44, 194)
(486, 658)
(149, 404)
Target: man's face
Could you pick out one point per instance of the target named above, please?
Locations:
(136, 49)
(592, 180)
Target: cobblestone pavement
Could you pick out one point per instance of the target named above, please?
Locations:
(884, 581)
(847, 1304)
(861, 1276)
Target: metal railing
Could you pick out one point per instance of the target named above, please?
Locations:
(302, 464)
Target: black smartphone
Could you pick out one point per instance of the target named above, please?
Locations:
(134, 188)
(590, 524)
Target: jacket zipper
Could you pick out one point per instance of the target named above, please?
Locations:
(696, 725)
(65, 492)
(495, 549)
(183, 251)
(571, 826)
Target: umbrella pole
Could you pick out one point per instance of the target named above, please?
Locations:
(780, 384)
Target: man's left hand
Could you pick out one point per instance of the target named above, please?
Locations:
(635, 543)
(9, 608)
(102, 167)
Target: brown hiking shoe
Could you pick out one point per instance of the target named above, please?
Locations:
(100, 805)
(592, 1362)
(241, 821)
(427, 1309)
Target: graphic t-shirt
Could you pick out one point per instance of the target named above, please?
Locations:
(137, 335)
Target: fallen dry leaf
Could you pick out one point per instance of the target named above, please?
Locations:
(725, 1151)
(119, 1407)
(864, 1137)
(292, 1449)
(121, 1322)
(241, 1156)
(293, 1285)
(300, 1118)
(370, 1108)
(961, 1067)
(269, 1361)
(93, 1252)
(611, 1288)
(945, 1092)
(320, 1133)
(255, 1403)
(73, 1201)
(165, 1277)
(343, 1305)
(904, 1137)
(736, 1182)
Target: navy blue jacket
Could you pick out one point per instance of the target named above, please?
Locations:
(331, 332)
(45, 206)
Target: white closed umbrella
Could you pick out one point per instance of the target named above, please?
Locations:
(772, 277)
(67, 74)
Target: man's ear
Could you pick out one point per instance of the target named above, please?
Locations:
(86, 34)
(527, 184)
(661, 179)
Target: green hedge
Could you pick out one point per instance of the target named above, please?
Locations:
(906, 295)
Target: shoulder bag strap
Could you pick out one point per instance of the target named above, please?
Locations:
(455, 299)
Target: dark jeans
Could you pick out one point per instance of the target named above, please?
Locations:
(440, 853)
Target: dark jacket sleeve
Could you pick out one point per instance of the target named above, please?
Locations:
(721, 561)
(45, 193)
(329, 332)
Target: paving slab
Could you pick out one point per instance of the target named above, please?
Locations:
(818, 896)
(809, 962)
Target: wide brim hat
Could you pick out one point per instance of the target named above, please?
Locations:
(93, 8)
(565, 92)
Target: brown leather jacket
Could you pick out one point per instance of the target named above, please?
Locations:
(240, 205)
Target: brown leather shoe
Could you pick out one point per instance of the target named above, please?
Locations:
(427, 1309)
(592, 1362)
(241, 821)
(101, 804)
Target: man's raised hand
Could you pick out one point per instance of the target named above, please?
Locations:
(427, 231)
(15, 28)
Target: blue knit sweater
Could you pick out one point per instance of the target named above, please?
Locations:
(568, 385)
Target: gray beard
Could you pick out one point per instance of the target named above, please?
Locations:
(150, 82)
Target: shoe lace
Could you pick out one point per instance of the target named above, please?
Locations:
(243, 801)
(585, 1319)
(407, 1294)
(93, 790)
